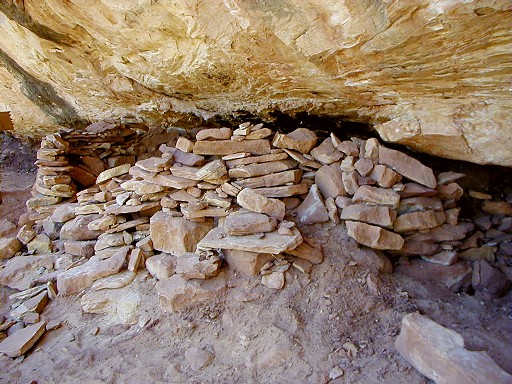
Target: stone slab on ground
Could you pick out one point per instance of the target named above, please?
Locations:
(9, 246)
(271, 242)
(176, 293)
(439, 354)
(373, 236)
(21, 341)
(19, 272)
(227, 147)
(247, 263)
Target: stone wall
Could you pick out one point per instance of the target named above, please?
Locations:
(432, 75)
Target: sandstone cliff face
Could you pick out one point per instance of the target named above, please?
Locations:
(434, 75)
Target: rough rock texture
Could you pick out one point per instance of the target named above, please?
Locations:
(390, 63)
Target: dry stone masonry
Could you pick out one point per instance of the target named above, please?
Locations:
(117, 198)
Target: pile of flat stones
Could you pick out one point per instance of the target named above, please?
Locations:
(180, 204)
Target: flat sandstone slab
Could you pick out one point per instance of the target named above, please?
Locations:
(272, 242)
(227, 147)
(374, 237)
(21, 341)
(439, 354)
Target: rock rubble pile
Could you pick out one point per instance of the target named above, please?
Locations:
(118, 198)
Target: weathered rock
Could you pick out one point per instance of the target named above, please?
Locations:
(272, 242)
(378, 215)
(449, 177)
(414, 204)
(77, 229)
(122, 304)
(350, 182)
(284, 191)
(161, 266)
(19, 272)
(407, 166)
(192, 266)
(480, 253)
(214, 134)
(248, 223)
(497, 208)
(307, 251)
(253, 201)
(413, 189)
(176, 235)
(64, 213)
(301, 139)
(312, 210)
(247, 263)
(489, 280)
(452, 191)
(9, 246)
(326, 153)
(119, 280)
(184, 144)
(456, 277)
(213, 170)
(376, 196)
(21, 341)
(374, 237)
(329, 181)
(40, 244)
(419, 248)
(113, 240)
(113, 172)
(6, 228)
(198, 358)
(226, 147)
(274, 280)
(35, 304)
(176, 293)
(417, 221)
(185, 158)
(443, 257)
(25, 234)
(79, 278)
(364, 166)
(384, 176)
(257, 159)
(259, 169)
(439, 354)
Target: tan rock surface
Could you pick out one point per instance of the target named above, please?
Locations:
(21, 341)
(439, 353)
(373, 236)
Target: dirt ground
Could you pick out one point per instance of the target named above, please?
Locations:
(258, 335)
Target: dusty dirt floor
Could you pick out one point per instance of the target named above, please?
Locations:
(257, 335)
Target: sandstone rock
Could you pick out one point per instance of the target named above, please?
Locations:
(40, 244)
(274, 280)
(414, 189)
(332, 210)
(6, 228)
(226, 147)
(456, 277)
(439, 354)
(329, 181)
(349, 148)
(21, 341)
(198, 358)
(214, 134)
(381, 216)
(253, 201)
(122, 304)
(443, 257)
(143, 209)
(376, 196)
(497, 208)
(9, 246)
(64, 213)
(79, 278)
(248, 223)
(191, 266)
(326, 153)
(213, 170)
(374, 237)
(246, 160)
(135, 259)
(271, 242)
(303, 160)
(312, 210)
(179, 156)
(449, 177)
(284, 191)
(407, 166)
(35, 304)
(176, 235)
(350, 182)
(25, 234)
(343, 202)
(177, 293)
(480, 253)
(307, 251)
(76, 229)
(119, 280)
(384, 176)
(184, 144)
(417, 221)
(301, 139)
(19, 272)
(489, 280)
(452, 191)
(112, 172)
(419, 248)
(247, 263)
(260, 169)
(363, 166)
(113, 240)
(161, 266)
(414, 204)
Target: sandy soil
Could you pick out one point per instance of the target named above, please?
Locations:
(258, 335)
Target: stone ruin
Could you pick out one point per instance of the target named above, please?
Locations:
(118, 198)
